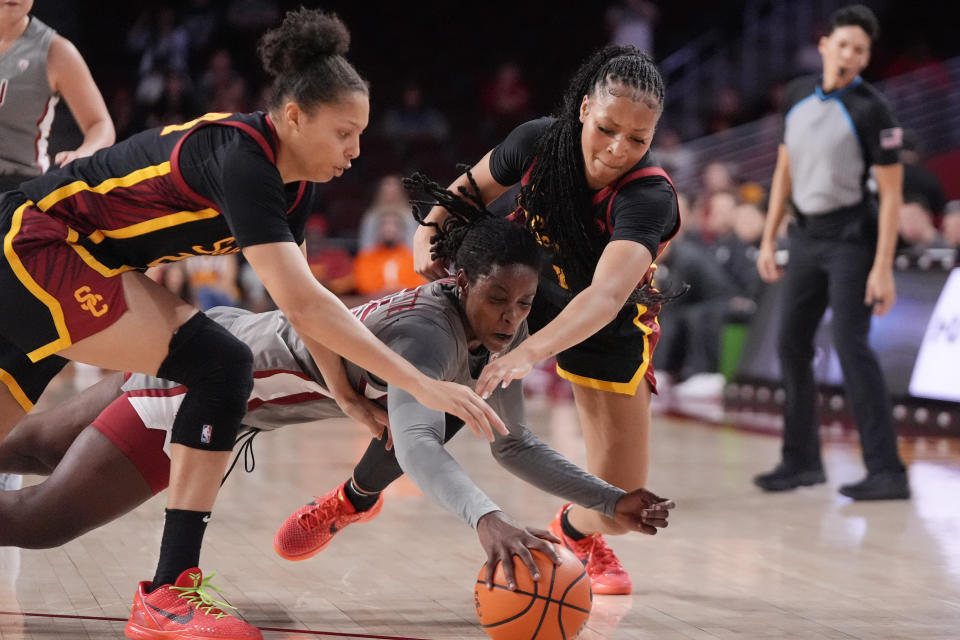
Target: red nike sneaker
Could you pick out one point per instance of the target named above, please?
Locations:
(185, 610)
(310, 528)
(607, 575)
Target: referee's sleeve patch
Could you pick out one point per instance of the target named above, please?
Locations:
(891, 138)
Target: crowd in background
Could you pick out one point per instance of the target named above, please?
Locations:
(180, 60)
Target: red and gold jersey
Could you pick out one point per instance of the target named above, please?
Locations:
(206, 187)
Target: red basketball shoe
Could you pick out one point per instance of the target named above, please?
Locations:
(310, 528)
(185, 611)
(607, 575)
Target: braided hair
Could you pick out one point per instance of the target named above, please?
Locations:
(557, 194)
(305, 57)
(471, 237)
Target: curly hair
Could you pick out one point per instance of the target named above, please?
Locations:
(305, 57)
(471, 237)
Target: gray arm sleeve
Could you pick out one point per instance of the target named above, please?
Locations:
(532, 460)
(418, 434)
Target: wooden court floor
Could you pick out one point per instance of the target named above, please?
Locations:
(734, 563)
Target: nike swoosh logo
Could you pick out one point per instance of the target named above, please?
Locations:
(206, 519)
(184, 619)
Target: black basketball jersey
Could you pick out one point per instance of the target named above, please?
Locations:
(206, 187)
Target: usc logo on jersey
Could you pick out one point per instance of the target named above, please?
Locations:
(89, 301)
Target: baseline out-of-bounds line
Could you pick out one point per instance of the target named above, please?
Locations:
(332, 634)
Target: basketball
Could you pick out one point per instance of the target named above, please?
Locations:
(555, 608)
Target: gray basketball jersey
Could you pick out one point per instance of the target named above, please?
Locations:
(287, 387)
(425, 326)
(26, 102)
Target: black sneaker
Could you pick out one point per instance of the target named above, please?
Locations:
(880, 485)
(785, 478)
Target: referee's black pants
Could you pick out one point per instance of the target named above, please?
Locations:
(832, 272)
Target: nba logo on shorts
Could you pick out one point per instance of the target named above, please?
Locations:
(206, 433)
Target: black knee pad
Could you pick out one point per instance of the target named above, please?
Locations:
(217, 369)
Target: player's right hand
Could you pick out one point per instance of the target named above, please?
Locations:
(502, 538)
(423, 264)
(462, 402)
(643, 511)
(767, 263)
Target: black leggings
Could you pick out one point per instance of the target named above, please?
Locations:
(379, 467)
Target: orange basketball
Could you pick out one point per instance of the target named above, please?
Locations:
(554, 608)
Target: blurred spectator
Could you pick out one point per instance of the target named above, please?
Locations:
(506, 99)
(673, 156)
(172, 276)
(248, 18)
(390, 198)
(916, 228)
(163, 45)
(727, 110)
(735, 256)
(254, 294)
(748, 224)
(752, 193)
(387, 266)
(951, 224)
(917, 179)
(201, 20)
(330, 264)
(716, 177)
(413, 120)
(127, 119)
(632, 22)
(175, 104)
(213, 280)
(221, 83)
(690, 341)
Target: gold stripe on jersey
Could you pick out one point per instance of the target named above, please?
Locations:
(627, 388)
(128, 180)
(14, 387)
(170, 128)
(56, 311)
(155, 224)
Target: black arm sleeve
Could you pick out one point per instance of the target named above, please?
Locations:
(513, 156)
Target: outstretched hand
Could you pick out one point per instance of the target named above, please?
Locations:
(462, 402)
(502, 538)
(643, 511)
(504, 370)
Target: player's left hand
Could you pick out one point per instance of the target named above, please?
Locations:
(368, 413)
(504, 370)
(643, 511)
(881, 291)
(502, 538)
